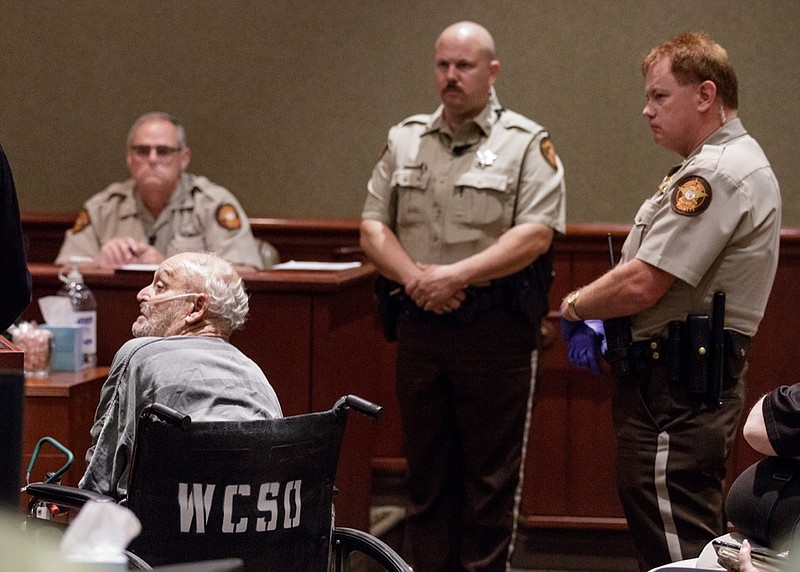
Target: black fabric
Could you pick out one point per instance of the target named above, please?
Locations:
(781, 409)
(763, 503)
(12, 395)
(174, 469)
(15, 280)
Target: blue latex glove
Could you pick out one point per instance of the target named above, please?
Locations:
(599, 329)
(569, 328)
(584, 343)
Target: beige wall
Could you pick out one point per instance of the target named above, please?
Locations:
(287, 103)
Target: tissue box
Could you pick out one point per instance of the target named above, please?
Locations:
(67, 347)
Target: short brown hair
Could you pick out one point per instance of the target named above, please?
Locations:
(696, 58)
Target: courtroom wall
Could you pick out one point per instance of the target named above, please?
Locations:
(287, 103)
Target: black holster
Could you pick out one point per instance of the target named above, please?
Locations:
(527, 293)
(690, 353)
(621, 354)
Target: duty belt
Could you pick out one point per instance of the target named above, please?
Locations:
(684, 358)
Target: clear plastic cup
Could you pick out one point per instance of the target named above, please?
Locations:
(37, 347)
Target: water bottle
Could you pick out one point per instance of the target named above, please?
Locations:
(85, 308)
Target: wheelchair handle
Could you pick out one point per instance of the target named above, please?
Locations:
(167, 414)
(361, 405)
(53, 476)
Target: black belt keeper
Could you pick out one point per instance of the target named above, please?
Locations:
(648, 353)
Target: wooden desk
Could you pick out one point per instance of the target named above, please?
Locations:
(61, 406)
(308, 331)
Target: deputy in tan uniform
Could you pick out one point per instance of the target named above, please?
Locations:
(460, 215)
(161, 210)
(710, 229)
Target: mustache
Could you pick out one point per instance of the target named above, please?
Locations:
(452, 86)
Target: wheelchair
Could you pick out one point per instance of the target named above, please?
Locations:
(260, 491)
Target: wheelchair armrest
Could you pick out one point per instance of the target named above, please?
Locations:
(64, 495)
(361, 405)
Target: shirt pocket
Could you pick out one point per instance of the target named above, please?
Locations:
(481, 199)
(644, 219)
(189, 235)
(410, 185)
(182, 243)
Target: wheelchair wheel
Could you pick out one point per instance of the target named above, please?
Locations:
(356, 550)
(136, 563)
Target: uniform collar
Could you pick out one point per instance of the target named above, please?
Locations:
(732, 129)
(130, 204)
(181, 198)
(484, 121)
(182, 195)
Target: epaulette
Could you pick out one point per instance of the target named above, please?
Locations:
(422, 118)
(512, 119)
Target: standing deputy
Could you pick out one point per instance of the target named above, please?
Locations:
(460, 216)
(712, 226)
(161, 210)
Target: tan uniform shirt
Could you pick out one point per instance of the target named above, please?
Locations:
(715, 225)
(448, 199)
(200, 216)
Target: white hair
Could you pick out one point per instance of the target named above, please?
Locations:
(227, 300)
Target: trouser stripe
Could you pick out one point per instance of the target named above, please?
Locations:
(664, 505)
(526, 431)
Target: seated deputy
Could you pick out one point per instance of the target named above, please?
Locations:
(161, 210)
(181, 357)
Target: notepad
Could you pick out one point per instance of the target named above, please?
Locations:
(139, 267)
(309, 265)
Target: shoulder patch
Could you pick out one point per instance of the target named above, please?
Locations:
(228, 216)
(81, 222)
(692, 195)
(548, 151)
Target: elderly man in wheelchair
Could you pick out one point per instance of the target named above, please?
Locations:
(189, 435)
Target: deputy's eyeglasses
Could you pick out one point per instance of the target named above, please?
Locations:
(162, 151)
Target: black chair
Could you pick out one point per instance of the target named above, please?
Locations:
(261, 491)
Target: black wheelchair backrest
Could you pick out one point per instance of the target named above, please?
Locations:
(257, 490)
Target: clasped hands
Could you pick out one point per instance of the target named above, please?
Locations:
(436, 289)
(587, 342)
